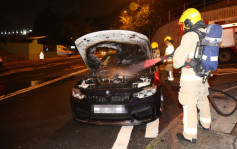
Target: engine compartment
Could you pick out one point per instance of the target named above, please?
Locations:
(116, 81)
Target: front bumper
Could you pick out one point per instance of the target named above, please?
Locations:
(116, 123)
(138, 111)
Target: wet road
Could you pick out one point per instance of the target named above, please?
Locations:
(41, 117)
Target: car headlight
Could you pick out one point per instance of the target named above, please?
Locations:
(146, 92)
(77, 93)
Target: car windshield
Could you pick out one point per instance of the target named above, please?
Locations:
(110, 60)
(115, 54)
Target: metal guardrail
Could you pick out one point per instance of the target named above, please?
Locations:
(220, 14)
(200, 5)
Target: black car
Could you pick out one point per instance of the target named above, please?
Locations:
(118, 90)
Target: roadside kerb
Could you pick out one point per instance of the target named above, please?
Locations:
(206, 139)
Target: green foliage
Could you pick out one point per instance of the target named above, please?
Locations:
(136, 21)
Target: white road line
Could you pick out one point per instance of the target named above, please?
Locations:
(123, 138)
(30, 68)
(219, 74)
(152, 129)
(228, 89)
(40, 85)
(226, 69)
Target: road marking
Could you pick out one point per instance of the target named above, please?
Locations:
(40, 85)
(123, 138)
(225, 71)
(225, 90)
(30, 68)
(219, 74)
(152, 129)
(228, 89)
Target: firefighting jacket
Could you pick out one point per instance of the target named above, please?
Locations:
(183, 52)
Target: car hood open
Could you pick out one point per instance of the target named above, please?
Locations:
(115, 39)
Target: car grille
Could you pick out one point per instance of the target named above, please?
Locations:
(97, 99)
(114, 99)
(119, 98)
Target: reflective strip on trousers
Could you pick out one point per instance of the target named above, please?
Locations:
(190, 77)
(205, 120)
(192, 131)
(170, 78)
(169, 60)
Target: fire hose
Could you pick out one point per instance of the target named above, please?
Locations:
(216, 107)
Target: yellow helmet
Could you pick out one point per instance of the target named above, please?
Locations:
(190, 17)
(154, 45)
(167, 38)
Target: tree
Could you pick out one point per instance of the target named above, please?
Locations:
(136, 21)
(46, 24)
(72, 26)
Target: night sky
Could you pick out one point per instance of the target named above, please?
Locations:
(21, 13)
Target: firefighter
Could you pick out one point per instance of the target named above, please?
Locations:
(193, 93)
(155, 49)
(156, 54)
(169, 62)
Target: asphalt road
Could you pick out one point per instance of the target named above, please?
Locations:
(41, 117)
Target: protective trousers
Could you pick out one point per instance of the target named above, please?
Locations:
(193, 95)
(169, 70)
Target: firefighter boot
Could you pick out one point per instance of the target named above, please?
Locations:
(204, 127)
(180, 136)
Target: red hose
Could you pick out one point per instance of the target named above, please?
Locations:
(148, 63)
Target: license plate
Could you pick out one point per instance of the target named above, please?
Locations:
(109, 109)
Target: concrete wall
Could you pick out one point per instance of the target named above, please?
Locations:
(172, 29)
(16, 48)
(35, 49)
(28, 50)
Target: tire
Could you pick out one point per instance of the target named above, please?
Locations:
(225, 56)
(73, 110)
(162, 101)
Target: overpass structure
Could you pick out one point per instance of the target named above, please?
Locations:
(227, 15)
